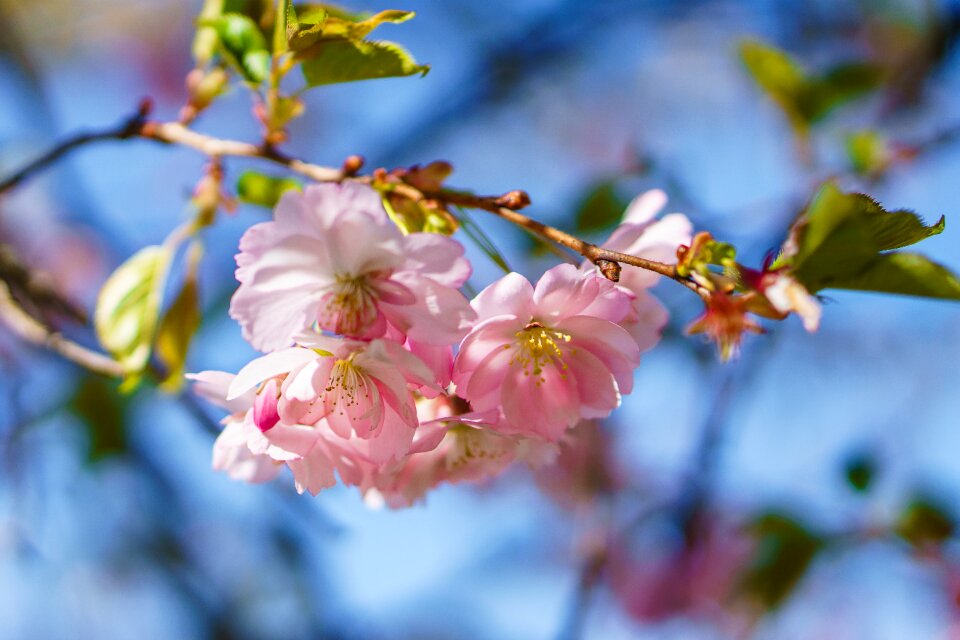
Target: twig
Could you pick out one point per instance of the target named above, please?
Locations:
(31, 330)
(129, 128)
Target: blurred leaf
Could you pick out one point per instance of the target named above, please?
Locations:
(333, 61)
(263, 190)
(806, 98)
(860, 470)
(925, 521)
(601, 207)
(785, 549)
(837, 241)
(868, 152)
(839, 85)
(128, 305)
(176, 331)
(244, 45)
(103, 412)
(908, 274)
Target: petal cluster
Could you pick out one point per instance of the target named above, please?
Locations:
(379, 373)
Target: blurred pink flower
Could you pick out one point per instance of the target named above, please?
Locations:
(549, 355)
(333, 258)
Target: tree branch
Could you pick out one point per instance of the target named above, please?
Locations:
(31, 330)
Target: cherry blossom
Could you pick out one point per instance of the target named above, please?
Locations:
(642, 235)
(550, 355)
(332, 258)
(346, 387)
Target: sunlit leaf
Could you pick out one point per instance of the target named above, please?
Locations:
(334, 61)
(244, 45)
(908, 274)
(125, 318)
(260, 189)
(868, 152)
(176, 331)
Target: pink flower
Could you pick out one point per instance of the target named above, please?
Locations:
(549, 355)
(643, 236)
(233, 450)
(333, 258)
(344, 387)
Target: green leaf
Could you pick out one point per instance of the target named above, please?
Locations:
(806, 98)
(334, 61)
(306, 26)
(868, 152)
(909, 274)
(785, 549)
(841, 234)
(778, 75)
(860, 470)
(925, 521)
(125, 318)
(176, 331)
(601, 207)
(839, 85)
(103, 412)
(263, 190)
(243, 45)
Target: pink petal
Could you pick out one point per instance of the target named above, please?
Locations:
(510, 295)
(268, 366)
(437, 257)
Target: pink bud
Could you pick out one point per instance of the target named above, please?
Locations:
(265, 412)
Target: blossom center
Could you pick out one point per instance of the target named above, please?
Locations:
(348, 382)
(350, 307)
(539, 346)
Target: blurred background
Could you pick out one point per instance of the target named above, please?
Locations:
(807, 490)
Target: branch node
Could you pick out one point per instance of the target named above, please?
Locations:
(352, 165)
(609, 269)
(515, 200)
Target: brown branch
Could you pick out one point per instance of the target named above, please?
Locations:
(31, 330)
(506, 206)
(128, 128)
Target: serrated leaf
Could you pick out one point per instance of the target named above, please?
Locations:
(263, 190)
(840, 234)
(306, 26)
(125, 318)
(601, 207)
(334, 61)
(909, 274)
(177, 327)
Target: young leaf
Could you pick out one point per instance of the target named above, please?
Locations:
(778, 75)
(341, 60)
(908, 274)
(176, 332)
(244, 45)
(325, 22)
(840, 235)
(263, 190)
(868, 152)
(128, 305)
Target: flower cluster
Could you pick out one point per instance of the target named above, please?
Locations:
(377, 369)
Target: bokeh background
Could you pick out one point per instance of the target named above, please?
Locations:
(803, 491)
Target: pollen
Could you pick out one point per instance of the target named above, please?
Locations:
(350, 306)
(538, 347)
(348, 383)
